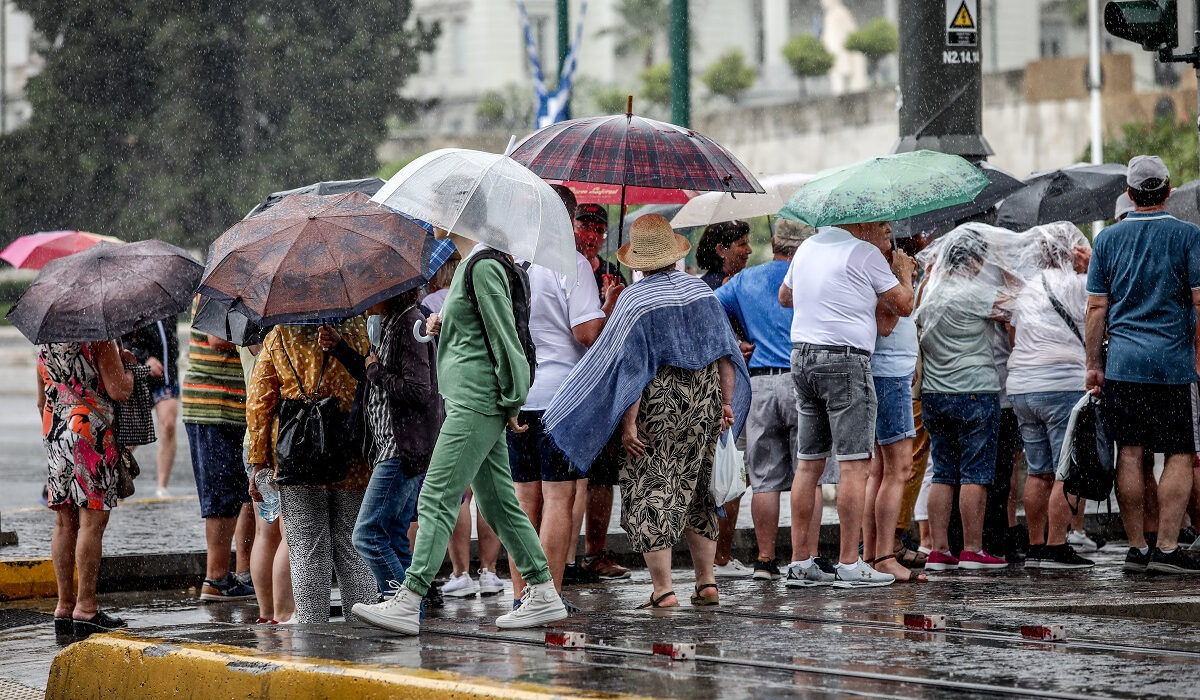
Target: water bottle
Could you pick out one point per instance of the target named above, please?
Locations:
(264, 481)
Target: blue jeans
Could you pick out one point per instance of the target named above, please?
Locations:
(1042, 417)
(381, 533)
(962, 434)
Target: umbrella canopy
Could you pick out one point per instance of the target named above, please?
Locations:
(715, 207)
(105, 292)
(488, 198)
(367, 185)
(1078, 194)
(32, 252)
(218, 317)
(1000, 185)
(886, 188)
(1184, 202)
(313, 256)
(604, 193)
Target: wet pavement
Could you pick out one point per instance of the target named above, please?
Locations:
(764, 641)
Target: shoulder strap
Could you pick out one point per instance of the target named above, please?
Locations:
(469, 279)
(1062, 311)
(304, 392)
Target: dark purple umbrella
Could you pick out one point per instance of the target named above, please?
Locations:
(105, 292)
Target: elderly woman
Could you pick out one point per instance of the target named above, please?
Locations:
(667, 373)
(318, 520)
(722, 251)
(81, 382)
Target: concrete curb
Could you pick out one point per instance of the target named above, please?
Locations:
(124, 666)
(27, 578)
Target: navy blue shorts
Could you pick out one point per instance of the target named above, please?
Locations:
(166, 391)
(533, 456)
(217, 464)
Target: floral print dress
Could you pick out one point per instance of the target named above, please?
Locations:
(80, 445)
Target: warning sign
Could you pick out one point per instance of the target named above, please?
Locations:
(962, 23)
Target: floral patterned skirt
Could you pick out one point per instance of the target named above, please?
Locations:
(82, 455)
(666, 491)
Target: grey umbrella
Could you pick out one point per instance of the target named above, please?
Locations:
(367, 185)
(1184, 203)
(1001, 185)
(106, 291)
(1079, 193)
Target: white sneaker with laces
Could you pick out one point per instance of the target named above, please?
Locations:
(1080, 541)
(489, 583)
(460, 586)
(732, 569)
(400, 613)
(861, 575)
(540, 605)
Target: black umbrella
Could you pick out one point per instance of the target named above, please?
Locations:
(1002, 185)
(106, 291)
(1184, 203)
(368, 186)
(215, 316)
(1079, 193)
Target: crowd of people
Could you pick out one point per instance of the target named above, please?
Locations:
(916, 375)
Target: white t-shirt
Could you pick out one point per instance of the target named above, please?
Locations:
(556, 308)
(1047, 356)
(836, 281)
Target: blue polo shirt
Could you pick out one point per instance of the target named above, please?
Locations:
(752, 297)
(1147, 266)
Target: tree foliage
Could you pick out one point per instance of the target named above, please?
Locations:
(730, 75)
(642, 23)
(807, 57)
(1169, 138)
(170, 120)
(656, 83)
(878, 39)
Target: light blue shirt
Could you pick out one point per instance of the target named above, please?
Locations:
(896, 354)
(752, 297)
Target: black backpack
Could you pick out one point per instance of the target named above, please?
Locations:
(518, 285)
(1092, 470)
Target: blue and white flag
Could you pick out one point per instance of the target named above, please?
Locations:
(551, 108)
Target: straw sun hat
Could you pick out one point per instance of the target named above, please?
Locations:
(653, 244)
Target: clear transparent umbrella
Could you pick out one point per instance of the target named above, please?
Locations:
(489, 198)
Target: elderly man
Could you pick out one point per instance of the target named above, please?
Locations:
(1143, 291)
(843, 280)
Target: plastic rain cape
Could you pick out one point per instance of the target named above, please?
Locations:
(977, 260)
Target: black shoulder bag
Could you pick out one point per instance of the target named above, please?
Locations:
(310, 448)
(518, 284)
(1062, 312)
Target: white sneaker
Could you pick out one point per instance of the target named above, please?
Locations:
(489, 583)
(399, 613)
(162, 492)
(732, 569)
(460, 586)
(1080, 541)
(861, 575)
(540, 604)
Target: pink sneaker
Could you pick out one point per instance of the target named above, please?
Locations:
(979, 560)
(940, 561)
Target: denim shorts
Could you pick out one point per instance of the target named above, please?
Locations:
(963, 431)
(533, 456)
(1042, 418)
(894, 417)
(835, 400)
(166, 391)
(218, 467)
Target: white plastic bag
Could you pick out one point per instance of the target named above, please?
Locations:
(728, 481)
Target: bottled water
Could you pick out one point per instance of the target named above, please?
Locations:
(264, 480)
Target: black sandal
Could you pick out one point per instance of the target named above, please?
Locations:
(100, 622)
(657, 602)
(64, 625)
(700, 600)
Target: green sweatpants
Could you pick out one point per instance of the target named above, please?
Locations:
(471, 450)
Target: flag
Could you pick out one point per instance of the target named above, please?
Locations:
(551, 107)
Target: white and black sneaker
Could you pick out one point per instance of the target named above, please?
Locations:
(766, 570)
(800, 576)
(1035, 555)
(861, 575)
(1061, 557)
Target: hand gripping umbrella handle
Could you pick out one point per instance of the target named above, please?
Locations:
(419, 333)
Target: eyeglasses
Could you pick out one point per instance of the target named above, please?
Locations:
(593, 227)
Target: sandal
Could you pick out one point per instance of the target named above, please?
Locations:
(913, 577)
(911, 558)
(701, 600)
(657, 602)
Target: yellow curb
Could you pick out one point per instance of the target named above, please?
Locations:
(121, 666)
(27, 578)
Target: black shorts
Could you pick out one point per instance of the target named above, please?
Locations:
(606, 469)
(533, 456)
(1158, 417)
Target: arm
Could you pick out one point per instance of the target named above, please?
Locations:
(885, 320)
(262, 400)
(785, 296)
(587, 332)
(220, 344)
(900, 300)
(728, 384)
(495, 311)
(118, 383)
(1094, 332)
(411, 384)
(41, 391)
(629, 431)
(354, 363)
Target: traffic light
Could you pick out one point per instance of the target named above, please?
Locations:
(1152, 23)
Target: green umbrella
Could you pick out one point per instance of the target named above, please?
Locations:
(885, 189)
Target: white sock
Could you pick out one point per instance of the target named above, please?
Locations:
(848, 566)
(1168, 551)
(803, 564)
(1144, 550)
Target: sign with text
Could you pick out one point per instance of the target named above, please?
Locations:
(962, 23)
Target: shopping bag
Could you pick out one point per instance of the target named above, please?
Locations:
(1087, 463)
(728, 481)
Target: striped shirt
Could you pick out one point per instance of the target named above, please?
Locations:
(379, 405)
(214, 389)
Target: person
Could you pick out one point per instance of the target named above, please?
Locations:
(1045, 380)
(401, 414)
(81, 382)
(484, 375)
(722, 253)
(318, 520)
(960, 391)
(1143, 290)
(837, 281)
(156, 345)
(751, 298)
(668, 374)
(213, 403)
(460, 584)
(439, 286)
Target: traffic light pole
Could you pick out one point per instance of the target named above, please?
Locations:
(1165, 55)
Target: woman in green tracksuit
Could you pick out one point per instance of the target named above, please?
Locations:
(482, 396)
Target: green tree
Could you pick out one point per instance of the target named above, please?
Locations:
(170, 120)
(807, 57)
(876, 41)
(610, 99)
(656, 83)
(490, 109)
(641, 24)
(730, 75)
(1173, 140)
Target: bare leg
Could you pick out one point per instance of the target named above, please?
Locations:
(703, 551)
(1058, 515)
(972, 499)
(925, 533)
(1130, 494)
(281, 575)
(529, 496)
(852, 492)
(87, 560)
(874, 477)
(807, 473)
(62, 553)
(897, 467)
(764, 510)
(262, 566)
(218, 534)
(814, 523)
(578, 510)
(726, 528)
(460, 539)
(941, 500)
(489, 543)
(599, 512)
(167, 412)
(1037, 501)
(1174, 491)
(558, 501)
(1012, 489)
(243, 536)
(659, 563)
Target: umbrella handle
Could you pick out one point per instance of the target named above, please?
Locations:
(419, 333)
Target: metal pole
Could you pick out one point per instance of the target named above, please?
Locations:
(3, 67)
(681, 97)
(1196, 64)
(564, 35)
(1096, 115)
